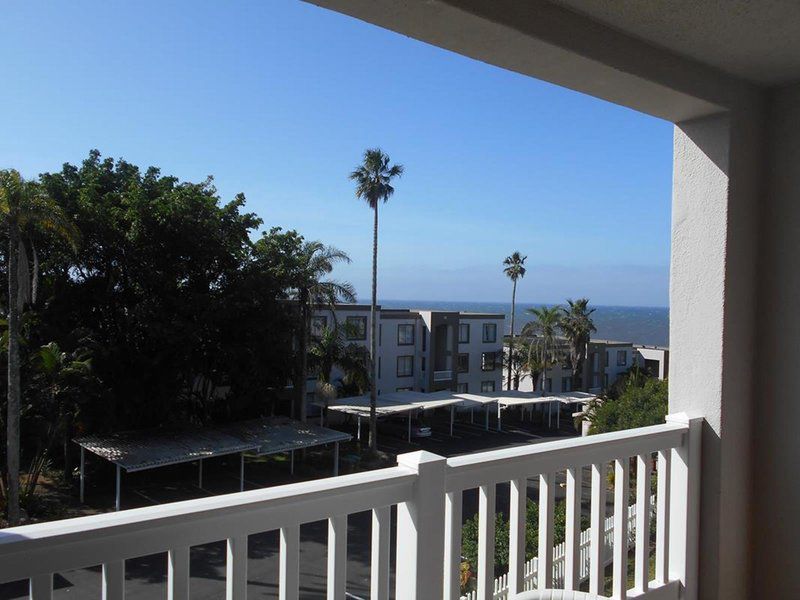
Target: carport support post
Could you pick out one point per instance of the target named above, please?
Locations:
(241, 471)
(200, 474)
(499, 418)
(558, 415)
(358, 435)
(291, 462)
(83, 469)
(119, 478)
(452, 416)
(486, 415)
(335, 459)
(409, 427)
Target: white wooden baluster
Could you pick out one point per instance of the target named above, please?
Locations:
(41, 587)
(597, 532)
(113, 587)
(486, 522)
(662, 517)
(621, 493)
(516, 538)
(573, 533)
(178, 573)
(236, 568)
(452, 546)
(337, 557)
(381, 537)
(642, 565)
(546, 502)
(289, 567)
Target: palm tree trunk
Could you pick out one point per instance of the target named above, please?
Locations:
(373, 343)
(35, 277)
(511, 340)
(12, 444)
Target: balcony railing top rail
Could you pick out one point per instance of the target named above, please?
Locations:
(427, 490)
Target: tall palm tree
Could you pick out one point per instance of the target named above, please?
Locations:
(547, 322)
(26, 211)
(373, 179)
(315, 262)
(514, 268)
(577, 326)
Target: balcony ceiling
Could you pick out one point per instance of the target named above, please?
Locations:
(754, 40)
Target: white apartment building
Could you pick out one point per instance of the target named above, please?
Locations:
(425, 350)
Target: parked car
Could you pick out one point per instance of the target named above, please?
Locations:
(398, 427)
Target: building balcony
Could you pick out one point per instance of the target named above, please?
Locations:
(426, 490)
(443, 375)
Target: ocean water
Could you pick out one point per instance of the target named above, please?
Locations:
(637, 324)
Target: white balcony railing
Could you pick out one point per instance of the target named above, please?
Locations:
(427, 490)
(442, 375)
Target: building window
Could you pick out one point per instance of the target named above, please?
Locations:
(605, 380)
(422, 362)
(380, 334)
(487, 386)
(549, 385)
(405, 335)
(566, 384)
(489, 333)
(424, 339)
(622, 358)
(463, 333)
(310, 396)
(379, 367)
(595, 380)
(463, 363)
(462, 388)
(488, 361)
(405, 366)
(318, 326)
(356, 328)
(405, 389)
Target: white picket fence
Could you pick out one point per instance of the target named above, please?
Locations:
(531, 566)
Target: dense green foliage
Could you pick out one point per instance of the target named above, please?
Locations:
(180, 315)
(469, 535)
(641, 403)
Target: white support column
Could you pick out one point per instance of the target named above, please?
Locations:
(113, 580)
(486, 416)
(573, 533)
(118, 487)
(597, 533)
(337, 557)
(662, 517)
(380, 550)
(499, 418)
(289, 567)
(178, 573)
(236, 568)
(409, 427)
(546, 503)
(41, 587)
(642, 572)
(358, 433)
(83, 470)
(420, 529)
(486, 541)
(516, 536)
(452, 546)
(452, 418)
(684, 507)
(620, 549)
(200, 473)
(241, 472)
(291, 462)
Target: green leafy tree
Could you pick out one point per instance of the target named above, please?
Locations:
(577, 325)
(637, 406)
(27, 211)
(514, 268)
(373, 179)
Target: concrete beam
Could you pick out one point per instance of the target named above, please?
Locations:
(554, 44)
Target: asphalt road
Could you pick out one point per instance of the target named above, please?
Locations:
(146, 576)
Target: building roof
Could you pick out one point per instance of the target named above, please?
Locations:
(283, 435)
(395, 402)
(148, 449)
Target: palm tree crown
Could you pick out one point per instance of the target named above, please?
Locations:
(577, 326)
(374, 176)
(514, 266)
(548, 320)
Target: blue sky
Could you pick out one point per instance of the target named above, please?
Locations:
(278, 100)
